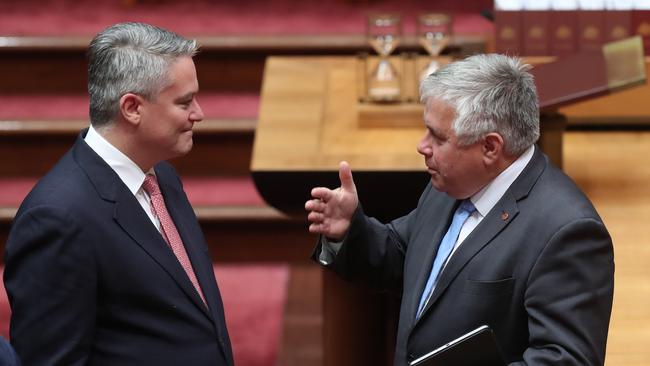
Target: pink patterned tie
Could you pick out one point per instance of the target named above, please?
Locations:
(170, 234)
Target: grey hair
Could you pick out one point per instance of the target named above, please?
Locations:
(490, 93)
(130, 58)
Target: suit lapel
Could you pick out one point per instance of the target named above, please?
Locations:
(131, 218)
(194, 243)
(481, 236)
(427, 243)
(128, 214)
(192, 240)
(501, 215)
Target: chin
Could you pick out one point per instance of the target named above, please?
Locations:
(186, 146)
(181, 151)
(185, 151)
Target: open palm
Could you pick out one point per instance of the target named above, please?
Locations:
(331, 210)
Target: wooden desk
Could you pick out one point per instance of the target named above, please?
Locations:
(307, 125)
(625, 107)
(309, 122)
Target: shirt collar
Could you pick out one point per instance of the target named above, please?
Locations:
(128, 171)
(489, 195)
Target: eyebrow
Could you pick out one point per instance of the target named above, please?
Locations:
(436, 132)
(185, 96)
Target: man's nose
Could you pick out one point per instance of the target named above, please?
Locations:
(197, 113)
(423, 146)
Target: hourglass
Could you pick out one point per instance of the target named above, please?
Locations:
(434, 34)
(383, 32)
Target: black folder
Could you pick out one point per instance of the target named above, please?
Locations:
(476, 348)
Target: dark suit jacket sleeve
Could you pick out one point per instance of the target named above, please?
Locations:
(569, 297)
(50, 279)
(373, 252)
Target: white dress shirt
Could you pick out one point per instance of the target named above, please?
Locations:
(484, 200)
(128, 171)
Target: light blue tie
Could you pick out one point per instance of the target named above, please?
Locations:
(446, 245)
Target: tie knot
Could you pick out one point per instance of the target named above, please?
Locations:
(466, 206)
(150, 185)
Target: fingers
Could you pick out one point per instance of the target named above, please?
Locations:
(345, 175)
(317, 229)
(321, 193)
(315, 217)
(347, 183)
(315, 205)
(330, 211)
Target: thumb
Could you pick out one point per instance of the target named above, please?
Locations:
(345, 175)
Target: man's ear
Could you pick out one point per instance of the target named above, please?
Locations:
(492, 148)
(130, 108)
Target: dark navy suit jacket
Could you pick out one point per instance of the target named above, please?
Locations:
(91, 281)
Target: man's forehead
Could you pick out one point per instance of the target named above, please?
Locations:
(439, 105)
(181, 77)
(438, 111)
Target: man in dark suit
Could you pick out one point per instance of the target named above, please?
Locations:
(500, 236)
(106, 262)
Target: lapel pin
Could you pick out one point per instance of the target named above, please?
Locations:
(504, 216)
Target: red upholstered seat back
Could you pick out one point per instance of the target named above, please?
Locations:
(5, 311)
(254, 297)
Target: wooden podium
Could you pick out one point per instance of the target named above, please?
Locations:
(309, 123)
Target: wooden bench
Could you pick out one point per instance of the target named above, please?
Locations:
(231, 63)
(36, 130)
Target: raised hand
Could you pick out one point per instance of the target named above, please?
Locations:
(330, 211)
